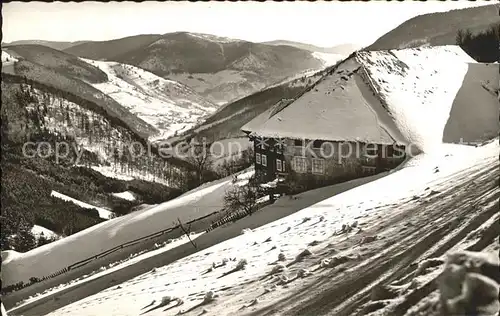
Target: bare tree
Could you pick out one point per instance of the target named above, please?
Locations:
(199, 156)
(243, 197)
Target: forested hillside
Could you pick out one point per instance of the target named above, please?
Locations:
(34, 112)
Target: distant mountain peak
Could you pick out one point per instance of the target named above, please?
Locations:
(342, 49)
(213, 38)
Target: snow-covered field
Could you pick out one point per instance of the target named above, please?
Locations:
(7, 58)
(115, 172)
(39, 231)
(312, 228)
(103, 213)
(167, 105)
(47, 259)
(126, 195)
(133, 259)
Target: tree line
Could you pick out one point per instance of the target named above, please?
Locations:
(483, 46)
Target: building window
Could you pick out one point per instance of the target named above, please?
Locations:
(300, 164)
(299, 142)
(371, 150)
(318, 165)
(264, 160)
(283, 166)
(278, 164)
(317, 144)
(257, 158)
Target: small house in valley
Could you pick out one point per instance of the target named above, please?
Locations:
(335, 131)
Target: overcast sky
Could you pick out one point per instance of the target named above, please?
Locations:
(318, 23)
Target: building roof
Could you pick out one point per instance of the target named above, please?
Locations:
(339, 107)
(264, 116)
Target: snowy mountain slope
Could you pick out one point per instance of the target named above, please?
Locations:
(418, 86)
(59, 61)
(219, 69)
(103, 213)
(227, 121)
(165, 104)
(64, 117)
(314, 228)
(114, 232)
(65, 76)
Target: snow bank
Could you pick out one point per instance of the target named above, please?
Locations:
(4, 312)
(290, 236)
(103, 213)
(57, 255)
(127, 195)
(418, 86)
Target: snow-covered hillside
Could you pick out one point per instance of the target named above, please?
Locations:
(84, 244)
(238, 277)
(167, 105)
(418, 85)
(7, 58)
(126, 195)
(39, 231)
(103, 213)
(213, 38)
(64, 118)
(328, 59)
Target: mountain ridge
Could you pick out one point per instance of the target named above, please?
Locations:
(218, 68)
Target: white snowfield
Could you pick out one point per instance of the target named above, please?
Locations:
(47, 259)
(39, 231)
(133, 259)
(328, 58)
(213, 38)
(4, 312)
(188, 279)
(418, 85)
(126, 195)
(167, 105)
(7, 58)
(116, 173)
(103, 213)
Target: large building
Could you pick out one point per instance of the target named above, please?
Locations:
(336, 131)
(368, 111)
